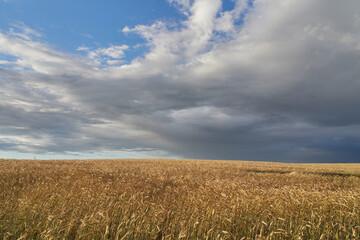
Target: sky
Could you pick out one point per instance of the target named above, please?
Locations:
(259, 80)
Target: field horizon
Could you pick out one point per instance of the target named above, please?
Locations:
(178, 199)
(182, 159)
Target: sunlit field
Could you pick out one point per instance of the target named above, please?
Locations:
(178, 199)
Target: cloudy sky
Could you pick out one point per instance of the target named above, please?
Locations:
(262, 80)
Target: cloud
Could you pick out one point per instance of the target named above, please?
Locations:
(182, 5)
(20, 30)
(113, 52)
(82, 48)
(107, 56)
(39, 57)
(276, 86)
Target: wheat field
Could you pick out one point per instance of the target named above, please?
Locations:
(178, 199)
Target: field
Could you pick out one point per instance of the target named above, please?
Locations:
(178, 199)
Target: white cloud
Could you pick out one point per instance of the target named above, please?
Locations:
(83, 48)
(114, 62)
(225, 23)
(113, 52)
(183, 5)
(87, 35)
(40, 57)
(20, 30)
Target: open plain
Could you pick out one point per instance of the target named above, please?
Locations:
(178, 199)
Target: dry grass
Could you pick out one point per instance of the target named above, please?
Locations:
(178, 199)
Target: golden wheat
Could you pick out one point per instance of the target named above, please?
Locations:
(178, 199)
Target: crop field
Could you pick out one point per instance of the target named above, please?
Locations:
(178, 199)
